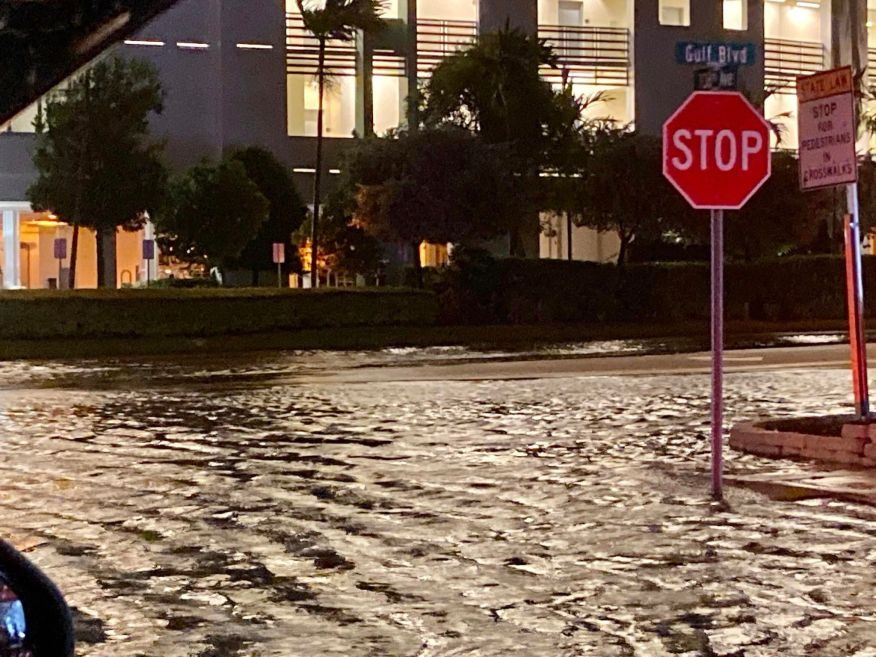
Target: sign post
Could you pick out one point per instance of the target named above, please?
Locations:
(716, 152)
(717, 353)
(60, 255)
(828, 131)
(279, 259)
(148, 256)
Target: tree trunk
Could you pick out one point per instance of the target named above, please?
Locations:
(74, 255)
(515, 247)
(77, 215)
(317, 178)
(418, 265)
(106, 258)
(622, 251)
(569, 235)
(101, 263)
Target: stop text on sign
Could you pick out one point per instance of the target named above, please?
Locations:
(716, 150)
(724, 149)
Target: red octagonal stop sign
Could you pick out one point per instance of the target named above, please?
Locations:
(716, 150)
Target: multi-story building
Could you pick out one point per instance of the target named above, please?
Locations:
(241, 72)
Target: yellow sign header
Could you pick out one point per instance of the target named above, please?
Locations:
(824, 84)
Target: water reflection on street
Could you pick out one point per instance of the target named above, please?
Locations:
(224, 508)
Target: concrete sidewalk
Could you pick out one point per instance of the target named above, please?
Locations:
(847, 485)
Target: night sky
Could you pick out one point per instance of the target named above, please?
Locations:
(44, 41)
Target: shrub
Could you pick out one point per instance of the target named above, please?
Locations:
(203, 312)
(480, 289)
(183, 283)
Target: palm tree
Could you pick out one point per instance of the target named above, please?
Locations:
(332, 20)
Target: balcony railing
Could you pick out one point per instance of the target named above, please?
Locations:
(785, 61)
(302, 54)
(437, 39)
(590, 55)
(871, 67)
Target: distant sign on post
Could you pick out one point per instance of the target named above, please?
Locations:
(61, 249)
(279, 253)
(148, 249)
(827, 129)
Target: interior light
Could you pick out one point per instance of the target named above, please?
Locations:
(255, 46)
(192, 45)
(808, 5)
(144, 42)
(45, 223)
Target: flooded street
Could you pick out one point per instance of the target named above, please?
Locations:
(247, 507)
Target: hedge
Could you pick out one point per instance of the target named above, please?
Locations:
(483, 290)
(205, 312)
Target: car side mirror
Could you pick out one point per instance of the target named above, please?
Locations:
(35, 620)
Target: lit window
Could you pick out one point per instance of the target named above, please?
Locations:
(303, 104)
(675, 12)
(570, 13)
(735, 14)
(448, 10)
(387, 103)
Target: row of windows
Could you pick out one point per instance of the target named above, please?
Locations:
(606, 13)
(735, 12)
(389, 104)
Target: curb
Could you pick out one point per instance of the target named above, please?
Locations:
(855, 447)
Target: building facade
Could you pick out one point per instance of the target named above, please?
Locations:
(241, 72)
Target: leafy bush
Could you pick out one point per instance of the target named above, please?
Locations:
(38, 314)
(479, 289)
(183, 283)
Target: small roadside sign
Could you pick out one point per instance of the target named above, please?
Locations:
(148, 249)
(279, 259)
(827, 129)
(60, 248)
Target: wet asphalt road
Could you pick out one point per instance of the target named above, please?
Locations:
(308, 505)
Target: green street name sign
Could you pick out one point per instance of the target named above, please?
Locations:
(719, 53)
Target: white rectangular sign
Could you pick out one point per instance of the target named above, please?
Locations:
(827, 129)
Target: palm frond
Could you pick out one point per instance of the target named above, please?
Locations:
(339, 20)
(777, 126)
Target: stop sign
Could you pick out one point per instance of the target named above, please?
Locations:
(716, 150)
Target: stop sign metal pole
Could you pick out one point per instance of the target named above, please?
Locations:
(716, 154)
(717, 353)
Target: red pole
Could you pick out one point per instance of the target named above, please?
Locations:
(855, 303)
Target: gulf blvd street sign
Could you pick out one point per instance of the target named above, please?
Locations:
(716, 150)
(827, 128)
(716, 53)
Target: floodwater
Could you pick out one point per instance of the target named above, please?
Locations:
(245, 508)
